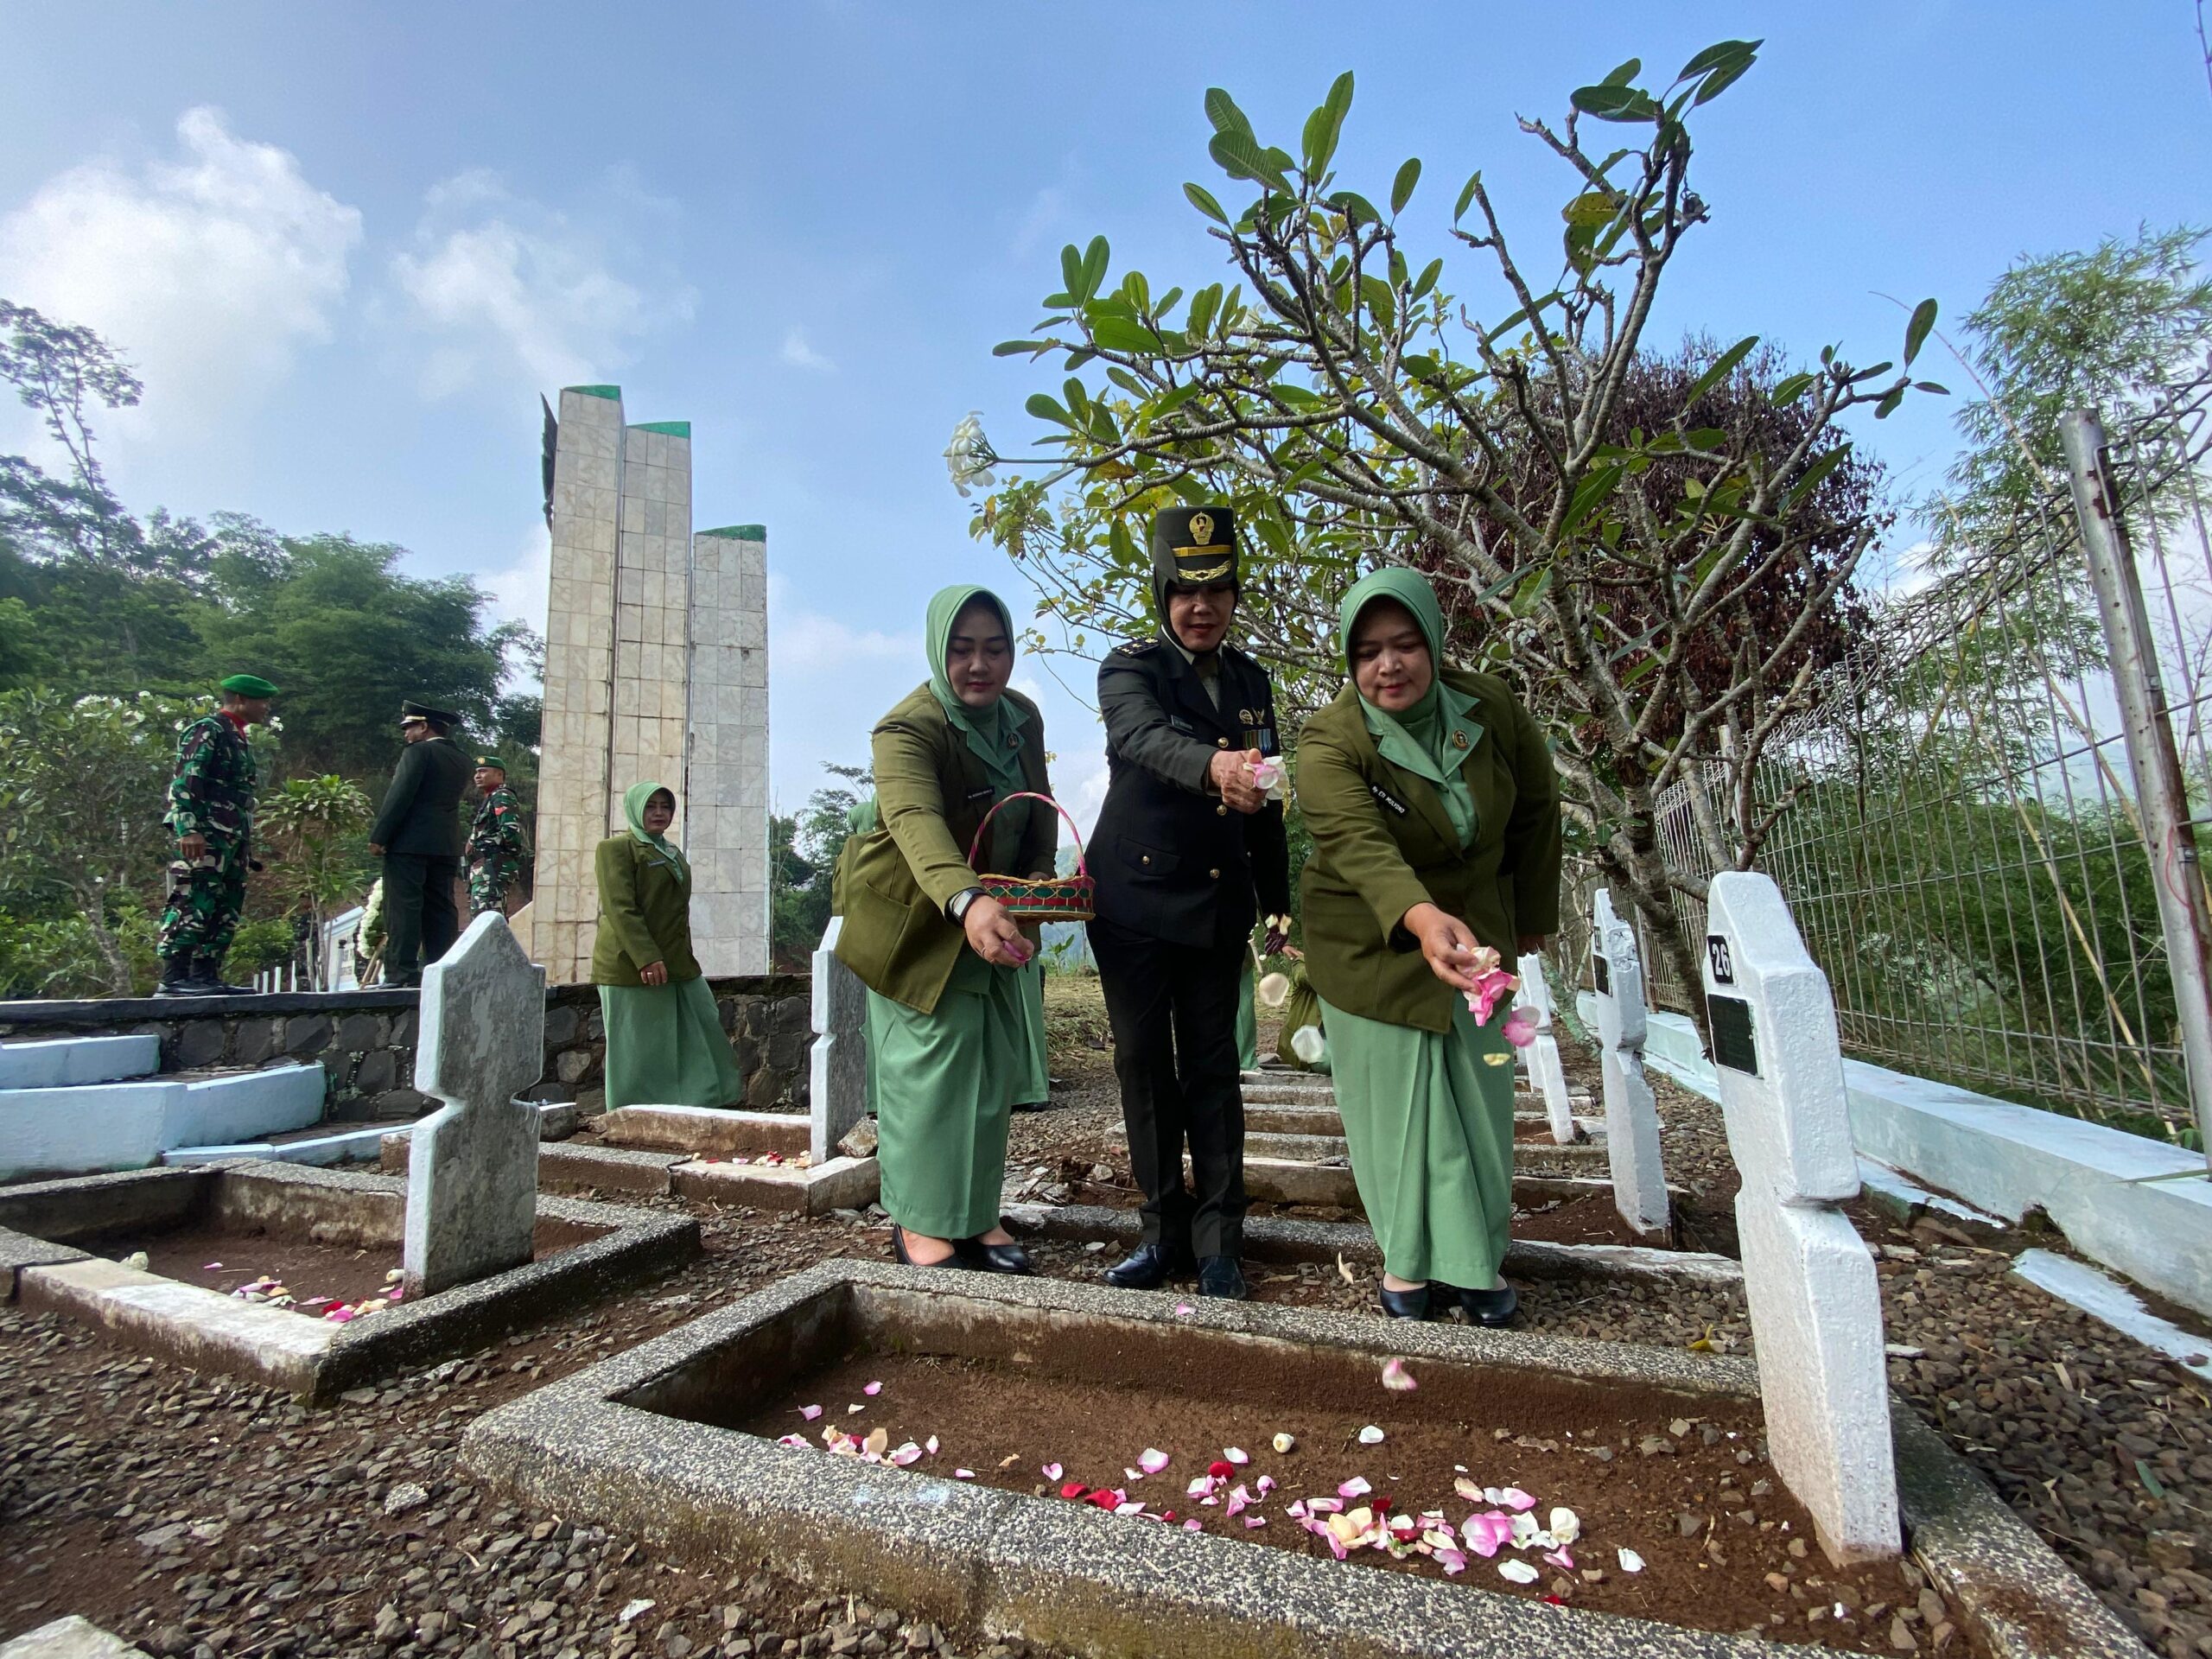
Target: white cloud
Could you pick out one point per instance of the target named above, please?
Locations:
(208, 271)
(804, 642)
(521, 591)
(800, 355)
(505, 290)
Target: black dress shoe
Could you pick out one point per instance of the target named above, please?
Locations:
(1219, 1275)
(1491, 1307)
(1148, 1267)
(1404, 1304)
(898, 1250)
(994, 1258)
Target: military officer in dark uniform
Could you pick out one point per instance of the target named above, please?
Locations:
(418, 833)
(1188, 852)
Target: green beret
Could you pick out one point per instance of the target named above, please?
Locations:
(493, 761)
(249, 685)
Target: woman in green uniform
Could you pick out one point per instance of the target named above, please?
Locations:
(664, 1040)
(951, 1038)
(1434, 813)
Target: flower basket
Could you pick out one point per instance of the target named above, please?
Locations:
(1055, 899)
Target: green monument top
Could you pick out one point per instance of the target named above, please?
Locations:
(671, 428)
(613, 393)
(739, 532)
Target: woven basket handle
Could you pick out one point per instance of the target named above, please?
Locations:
(1082, 861)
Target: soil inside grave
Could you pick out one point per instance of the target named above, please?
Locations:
(1591, 1220)
(223, 1259)
(1691, 1495)
(1539, 1135)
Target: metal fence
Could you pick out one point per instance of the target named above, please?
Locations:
(1963, 845)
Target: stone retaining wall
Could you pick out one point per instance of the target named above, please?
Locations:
(365, 1039)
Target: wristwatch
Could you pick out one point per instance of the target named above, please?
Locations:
(956, 906)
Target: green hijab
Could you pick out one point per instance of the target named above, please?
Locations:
(1433, 738)
(994, 734)
(633, 809)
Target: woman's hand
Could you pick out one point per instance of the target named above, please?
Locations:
(1447, 943)
(653, 973)
(1232, 779)
(993, 935)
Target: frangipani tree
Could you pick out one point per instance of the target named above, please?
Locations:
(1650, 585)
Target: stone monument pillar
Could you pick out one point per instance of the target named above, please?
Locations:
(1631, 1113)
(656, 667)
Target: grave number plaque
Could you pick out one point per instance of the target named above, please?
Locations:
(1733, 1044)
(1604, 975)
(1724, 966)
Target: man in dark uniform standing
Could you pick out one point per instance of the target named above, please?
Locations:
(418, 833)
(1187, 852)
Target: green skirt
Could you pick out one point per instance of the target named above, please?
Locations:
(1428, 1120)
(666, 1046)
(946, 1083)
(1037, 1088)
(1248, 1019)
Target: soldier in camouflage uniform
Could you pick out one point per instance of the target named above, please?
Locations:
(211, 811)
(498, 845)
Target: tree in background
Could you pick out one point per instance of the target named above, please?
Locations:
(317, 828)
(1653, 585)
(803, 859)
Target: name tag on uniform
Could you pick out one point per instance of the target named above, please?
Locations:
(983, 794)
(1182, 725)
(1387, 798)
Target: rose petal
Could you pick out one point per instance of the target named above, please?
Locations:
(1451, 1560)
(963, 1474)
(1514, 1498)
(798, 1440)
(1239, 1501)
(1129, 1506)
(1485, 1534)
(1193, 1526)
(1560, 1558)
(1397, 1378)
(1273, 990)
(1073, 1489)
(1252, 1520)
(1221, 1471)
(1468, 1490)
(1356, 1487)
(1152, 1460)
(1052, 1472)
(1324, 1505)
(1566, 1526)
(1517, 1572)
(930, 1446)
(1283, 1443)
(1200, 1486)
(849, 1410)
(1236, 1456)
(1183, 1310)
(906, 1454)
(1265, 1484)
(810, 1411)
(873, 1389)
(1372, 1436)
(1631, 1561)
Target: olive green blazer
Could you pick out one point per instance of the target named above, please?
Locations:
(1382, 843)
(933, 793)
(645, 914)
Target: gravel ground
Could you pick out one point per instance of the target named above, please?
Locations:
(203, 1517)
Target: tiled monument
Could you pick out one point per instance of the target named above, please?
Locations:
(656, 667)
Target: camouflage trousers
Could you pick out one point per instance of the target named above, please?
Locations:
(488, 882)
(204, 900)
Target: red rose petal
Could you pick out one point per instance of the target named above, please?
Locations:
(1073, 1489)
(1221, 1471)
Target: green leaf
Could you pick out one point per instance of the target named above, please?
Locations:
(1426, 280)
(1624, 73)
(1401, 187)
(1340, 98)
(1810, 480)
(1355, 207)
(1528, 313)
(2149, 1481)
(1531, 591)
(1240, 158)
(1721, 79)
(1597, 484)
(1380, 300)
(1094, 266)
(1890, 399)
(1915, 331)
(1789, 390)
(1120, 544)
(1118, 334)
(1221, 111)
(1128, 382)
(1930, 385)
(1173, 400)
(1078, 357)
(1015, 347)
(1720, 371)
(1592, 208)
(1044, 408)
(1466, 195)
(1271, 531)
(1204, 303)
(1203, 199)
(1614, 103)
(1072, 275)
(1718, 54)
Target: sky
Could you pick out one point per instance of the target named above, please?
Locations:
(349, 247)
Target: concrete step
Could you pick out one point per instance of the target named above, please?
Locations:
(61, 1062)
(88, 1127)
(359, 1143)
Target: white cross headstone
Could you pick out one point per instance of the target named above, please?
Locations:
(1815, 1306)
(472, 1166)
(1631, 1113)
(836, 1093)
(1546, 1072)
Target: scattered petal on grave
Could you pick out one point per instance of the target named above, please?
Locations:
(1251, 1521)
(1221, 1471)
(1052, 1471)
(906, 1454)
(1324, 1505)
(963, 1474)
(1273, 990)
(1451, 1560)
(1468, 1490)
(1527, 1532)
(642, 1604)
(798, 1440)
(211, 1267)
(1237, 1456)
(878, 1437)
(1560, 1558)
(1397, 1378)
(1132, 1475)
(1518, 1572)
(1283, 1443)
(1566, 1526)
(1486, 1534)
(1370, 1435)
(1239, 1501)
(1631, 1561)
(1152, 1460)
(1267, 1483)
(1073, 1489)
(1193, 1526)
(1356, 1487)
(1514, 1498)
(1200, 1486)
(1183, 1310)
(930, 1446)
(810, 1411)
(1129, 1506)
(873, 1389)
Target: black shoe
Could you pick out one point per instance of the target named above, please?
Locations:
(898, 1250)
(1148, 1267)
(1404, 1304)
(1491, 1307)
(211, 975)
(994, 1258)
(181, 979)
(1219, 1275)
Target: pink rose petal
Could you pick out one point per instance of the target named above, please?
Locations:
(1560, 1558)
(798, 1440)
(930, 1446)
(1052, 1471)
(1193, 1526)
(1200, 1486)
(873, 1389)
(1152, 1460)
(1251, 1521)
(1356, 1487)
(1486, 1533)
(810, 1411)
(1265, 1484)
(1132, 1475)
(1397, 1378)
(1514, 1498)
(963, 1474)
(211, 1267)
(1183, 1310)
(1452, 1561)
(1239, 1501)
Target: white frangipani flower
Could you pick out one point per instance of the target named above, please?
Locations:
(970, 456)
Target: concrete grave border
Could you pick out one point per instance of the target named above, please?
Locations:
(208, 1331)
(979, 1557)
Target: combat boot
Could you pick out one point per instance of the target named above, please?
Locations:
(211, 976)
(182, 976)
